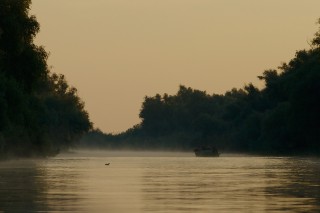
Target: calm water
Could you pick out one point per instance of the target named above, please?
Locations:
(160, 182)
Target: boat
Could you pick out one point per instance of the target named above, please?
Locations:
(206, 151)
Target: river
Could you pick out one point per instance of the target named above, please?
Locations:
(159, 182)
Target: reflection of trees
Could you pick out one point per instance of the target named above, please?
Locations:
(249, 184)
(22, 187)
(32, 186)
(295, 185)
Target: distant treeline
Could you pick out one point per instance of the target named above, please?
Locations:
(39, 112)
(281, 118)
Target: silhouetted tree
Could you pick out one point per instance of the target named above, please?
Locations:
(39, 112)
(281, 118)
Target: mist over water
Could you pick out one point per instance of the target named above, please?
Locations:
(80, 181)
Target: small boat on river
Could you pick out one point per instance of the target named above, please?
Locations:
(206, 151)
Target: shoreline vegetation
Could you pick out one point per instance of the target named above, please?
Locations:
(41, 115)
(281, 119)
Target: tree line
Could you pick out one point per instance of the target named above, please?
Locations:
(281, 118)
(40, 113)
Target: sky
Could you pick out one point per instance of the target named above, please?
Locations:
(116, 52)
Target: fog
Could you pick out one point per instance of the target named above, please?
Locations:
(122, 153)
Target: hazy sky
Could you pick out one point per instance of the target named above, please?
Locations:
(115, 52)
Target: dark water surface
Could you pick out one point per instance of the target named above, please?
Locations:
(160, 182)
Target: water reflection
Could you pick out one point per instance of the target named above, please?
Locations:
(232, 184)
(295, 184)
(22, 187)
(160, 184)
(63, 180)
(37, 185)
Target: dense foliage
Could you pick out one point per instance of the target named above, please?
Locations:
(281, 118)
(39, 112)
